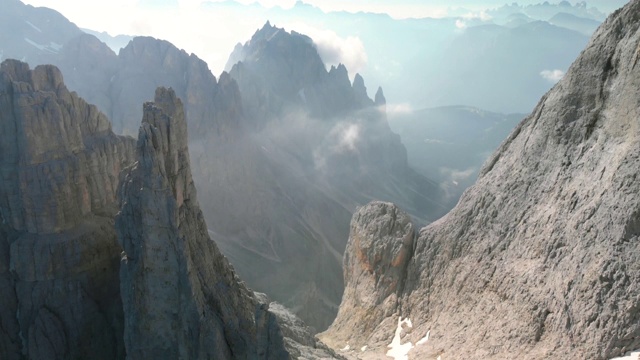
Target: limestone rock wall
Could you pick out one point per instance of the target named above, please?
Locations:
(181, 297)
(378, 252)
(59, 258)
(60, 160)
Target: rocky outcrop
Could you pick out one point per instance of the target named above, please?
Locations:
(181, 297)
(50, 185)
(539, 259)
(375, 263)
(59, 163)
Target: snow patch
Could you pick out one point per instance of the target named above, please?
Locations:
(426, 337)
(397, 350)
(346, 348)
(364, 348)
(33, 43)
(55, 46)
(33, 26)
(629, 356)
(52, 47)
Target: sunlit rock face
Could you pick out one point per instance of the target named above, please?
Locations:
(539, 259)
(60, 164)
(378, 252)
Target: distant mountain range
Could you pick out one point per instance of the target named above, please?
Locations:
(283, 149)
(492, 60)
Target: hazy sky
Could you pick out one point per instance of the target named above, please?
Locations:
(212, 35)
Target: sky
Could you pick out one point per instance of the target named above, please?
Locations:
(213, 35)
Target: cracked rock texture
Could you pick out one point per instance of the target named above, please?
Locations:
(375, 263)
(540, 259)
(59, 165)
(181, 297)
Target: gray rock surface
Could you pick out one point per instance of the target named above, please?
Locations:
(539, 260)
(59, 258)
(60, 159)
(375, 263)
(181, 297)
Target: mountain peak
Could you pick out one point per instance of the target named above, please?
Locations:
(379, 98)
(42, 78)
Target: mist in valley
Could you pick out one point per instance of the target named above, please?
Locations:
(301, 113)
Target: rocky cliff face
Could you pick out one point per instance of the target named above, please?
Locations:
(539, 258)
(181, 297)
(59, 163)
(378, 252)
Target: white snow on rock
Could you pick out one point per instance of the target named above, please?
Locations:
(33, 26)
(635, 355)
(346, 348)
(53, 48)
(397, 350)
(424, 339)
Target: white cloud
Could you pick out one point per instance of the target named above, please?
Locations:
(461, 24)
(552, 76)
(334, 49)
(482, 15)
(350, 136)
(399, 109)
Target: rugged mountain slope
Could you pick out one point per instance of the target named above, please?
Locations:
(42, 32)
(181, 297)
(539, 258)
(59, 162)
(61, 267)
(324, 148)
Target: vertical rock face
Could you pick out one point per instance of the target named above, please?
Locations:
(539, 260)
(52, 143)
(375, 263)
(59, 166)
(181, 298)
